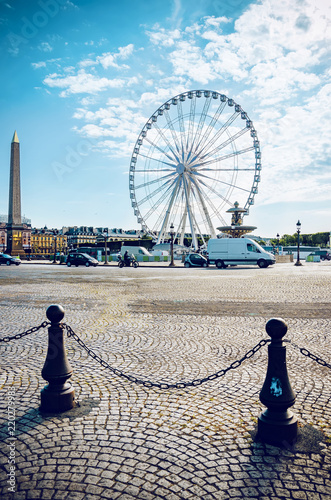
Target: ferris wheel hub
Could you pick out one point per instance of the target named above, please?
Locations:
(180, 168)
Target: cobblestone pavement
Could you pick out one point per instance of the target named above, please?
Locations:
(128, 441)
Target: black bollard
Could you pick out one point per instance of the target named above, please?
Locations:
(277, 425)
(58, 395)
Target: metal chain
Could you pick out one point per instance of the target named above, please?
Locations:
(307, 353)
(164, 385)
(23, 334)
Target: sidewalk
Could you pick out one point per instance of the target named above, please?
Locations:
(127, 441)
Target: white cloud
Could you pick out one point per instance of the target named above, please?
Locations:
(82, 82)
(38, 65)
(109, 59)
(275, 63)
(163, 37)
(45, 47)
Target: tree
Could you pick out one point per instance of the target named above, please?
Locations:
(316, 239)
(320, 239)
(288, 240)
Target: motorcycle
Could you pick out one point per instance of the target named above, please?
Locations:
(126, 263)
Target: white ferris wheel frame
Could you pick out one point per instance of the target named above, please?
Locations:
(186, 179)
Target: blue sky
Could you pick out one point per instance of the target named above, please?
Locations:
(79, 79)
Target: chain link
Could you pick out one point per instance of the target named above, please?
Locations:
(164, 385)
(27, 332)
(307, 353)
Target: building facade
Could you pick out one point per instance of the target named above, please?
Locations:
(45, 243)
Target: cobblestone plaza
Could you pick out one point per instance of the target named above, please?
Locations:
(160, 324)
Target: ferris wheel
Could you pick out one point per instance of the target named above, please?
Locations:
(194, 158)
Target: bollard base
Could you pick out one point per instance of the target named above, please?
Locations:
(55, 399)
(277, 428)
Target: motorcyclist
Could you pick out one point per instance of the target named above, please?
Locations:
(127, 258)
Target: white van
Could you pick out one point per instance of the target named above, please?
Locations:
(136, 251)
(233, 251)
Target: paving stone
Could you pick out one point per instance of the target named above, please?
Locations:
(130, 441)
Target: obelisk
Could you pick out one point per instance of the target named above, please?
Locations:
(14, 226)
(14, 211)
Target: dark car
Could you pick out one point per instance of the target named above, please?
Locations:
(324, 254)
(195, 260)
(81, 259)
(8, 259)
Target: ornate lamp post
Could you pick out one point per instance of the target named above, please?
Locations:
(29, 247)
(55, 239)
(298, 263)
(172, 234)
(277, 236)
(105, 235)
(9, 244)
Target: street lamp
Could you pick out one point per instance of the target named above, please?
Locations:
(55, 238)
(9, 244)
(105, 235)
(29, 248)
(298, 263)
(172, 233)
(277, 236)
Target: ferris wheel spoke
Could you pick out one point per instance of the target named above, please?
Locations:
(221, 131)
(191, 124)
(152, 170)
(157, 128)
(212, 123)
(159, 149)
(173, 165)
(158, 180)
(225, 143)
(213, 190)
(211, 204)
(154, 193)
(173, 132)
(197, 228)
(204, 208)
(181, 126)
(225, 157)
(156, 205)
(189, 211)
(203, 116)
(226, 183)
(168, 211)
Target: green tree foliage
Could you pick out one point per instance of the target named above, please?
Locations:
(315, 240)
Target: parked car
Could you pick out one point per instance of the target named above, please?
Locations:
(195, 260)
(81, 259)
(324, 254)
(8, 259)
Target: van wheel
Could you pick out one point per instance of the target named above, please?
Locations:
(220, 264)
(262, 263)
(69, 264)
